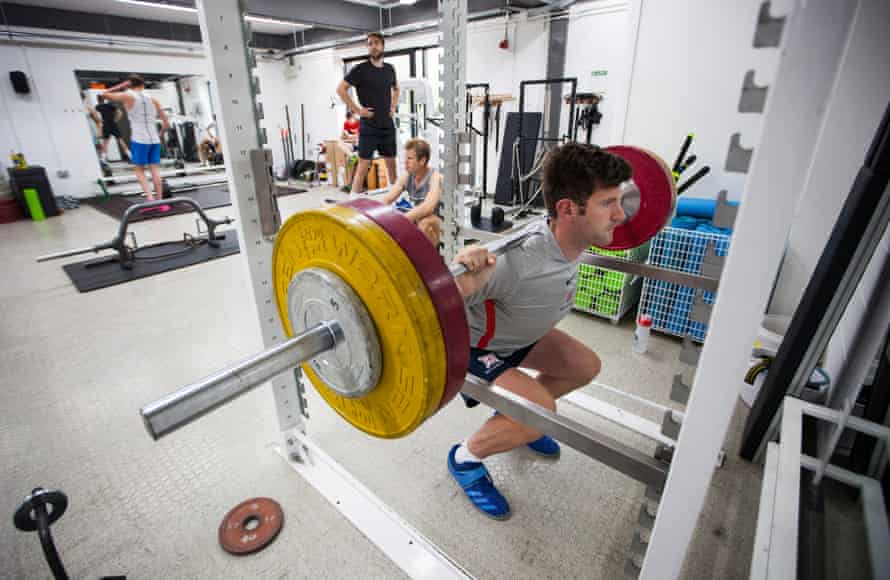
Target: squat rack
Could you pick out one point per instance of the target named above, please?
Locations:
(761, 227)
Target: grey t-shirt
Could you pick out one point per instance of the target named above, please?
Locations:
(532, 289)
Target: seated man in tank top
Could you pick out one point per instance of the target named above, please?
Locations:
(417, 191)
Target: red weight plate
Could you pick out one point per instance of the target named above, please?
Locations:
(250, 526)
(657, 198)
(439, 283)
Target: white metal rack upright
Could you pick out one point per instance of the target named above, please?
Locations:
(774, 184)
(777, 176)
(225, 35)
(776, 540)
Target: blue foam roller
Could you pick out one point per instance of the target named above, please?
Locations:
(698, 207)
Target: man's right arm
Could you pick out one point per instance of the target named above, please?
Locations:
(396, 190)
(162, 115)
(480, 265)
(343, 93)
(114, 93)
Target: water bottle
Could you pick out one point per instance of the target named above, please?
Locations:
(641, 334)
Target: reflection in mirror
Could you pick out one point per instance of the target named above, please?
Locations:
(190, 144)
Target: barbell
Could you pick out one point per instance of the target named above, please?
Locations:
(375, 317)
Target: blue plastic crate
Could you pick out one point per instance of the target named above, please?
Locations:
(669, 304)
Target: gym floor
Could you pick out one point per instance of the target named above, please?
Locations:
(77, 368)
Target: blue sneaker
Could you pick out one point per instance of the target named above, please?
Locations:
(545, 446)
(474, 479)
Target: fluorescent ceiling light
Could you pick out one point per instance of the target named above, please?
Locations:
(407, 2)
(159, 5)
(265, 20)
(262, 19)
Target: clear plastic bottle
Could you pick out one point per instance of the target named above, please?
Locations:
(641, 334)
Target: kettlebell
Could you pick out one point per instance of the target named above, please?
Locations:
(476, 213)
(166, 192)
(497, 217)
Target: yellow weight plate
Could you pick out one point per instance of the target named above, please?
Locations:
(353, 247)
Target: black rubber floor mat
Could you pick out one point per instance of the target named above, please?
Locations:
(485, 224)
(155, 259)
(116, 205)
(207, 198)
(288, 190)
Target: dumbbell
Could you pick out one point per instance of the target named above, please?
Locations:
(476, 213)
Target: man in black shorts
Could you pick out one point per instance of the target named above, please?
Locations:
(378, 92)
(110, 116)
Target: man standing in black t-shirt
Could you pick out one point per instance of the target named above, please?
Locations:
(110, 128)
(378, 92)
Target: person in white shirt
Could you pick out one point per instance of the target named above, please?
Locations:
(145, 142)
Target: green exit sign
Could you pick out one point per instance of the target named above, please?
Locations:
(599, 73)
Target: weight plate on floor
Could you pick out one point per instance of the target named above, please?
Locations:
(250, 526)
(656, 201)
(361, 253)
(439, 283)
(316, 295)
(53, 501)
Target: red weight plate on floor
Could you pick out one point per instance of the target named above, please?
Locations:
(250, 526)
(439, 283)
(657, 198)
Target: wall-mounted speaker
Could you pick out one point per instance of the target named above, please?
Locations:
(19, 81)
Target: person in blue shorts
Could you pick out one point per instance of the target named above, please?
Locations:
(513, 303)
(145, 141)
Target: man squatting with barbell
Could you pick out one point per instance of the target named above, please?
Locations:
(514, 302)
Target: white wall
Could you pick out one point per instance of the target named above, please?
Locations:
(859, 99)
(688, 77)
(49, 125)
(196, 100)
(317, 76)
(599, 39)
(319, 73)
(504, 70)
(858, 102)
(167, 96)
(273, 94)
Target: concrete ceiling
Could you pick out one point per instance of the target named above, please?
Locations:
(143, 12)
(311, 21)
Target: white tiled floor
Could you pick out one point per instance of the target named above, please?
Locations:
(77, 367)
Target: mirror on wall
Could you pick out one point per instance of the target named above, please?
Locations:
(191, 141)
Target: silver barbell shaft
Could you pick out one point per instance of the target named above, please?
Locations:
(193, 401)
(497, 247)
(67, 253)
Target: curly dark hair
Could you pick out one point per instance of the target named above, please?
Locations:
(574, 171)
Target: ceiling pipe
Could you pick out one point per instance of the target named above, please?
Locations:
(394, 31)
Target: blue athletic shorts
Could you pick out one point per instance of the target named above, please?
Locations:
(488, 366)
(145, 153)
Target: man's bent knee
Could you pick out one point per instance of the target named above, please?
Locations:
(592, 367)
